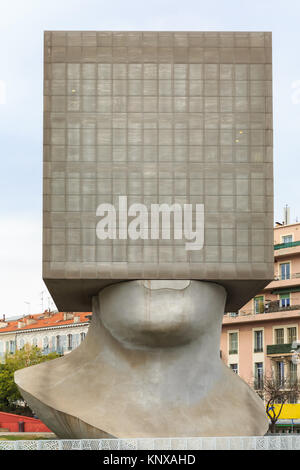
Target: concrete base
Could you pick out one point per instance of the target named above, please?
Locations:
(270, 442)
(149, 367)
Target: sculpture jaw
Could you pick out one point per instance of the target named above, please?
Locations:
(161, 313)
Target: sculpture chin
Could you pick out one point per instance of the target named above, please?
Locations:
(157, 314)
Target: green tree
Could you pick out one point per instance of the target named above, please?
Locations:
(10, 396)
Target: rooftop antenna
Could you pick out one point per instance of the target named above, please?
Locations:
(286, 213)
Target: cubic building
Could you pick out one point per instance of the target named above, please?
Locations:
(172, 119)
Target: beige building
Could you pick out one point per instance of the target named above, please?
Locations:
(59, 332)
(258, 339)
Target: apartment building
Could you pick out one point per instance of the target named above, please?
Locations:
(59, 332)
(257, 340)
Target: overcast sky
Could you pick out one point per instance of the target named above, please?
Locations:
(22, 23)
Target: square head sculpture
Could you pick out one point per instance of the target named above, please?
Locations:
(157, 161)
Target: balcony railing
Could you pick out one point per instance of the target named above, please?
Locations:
(279, 348)
(286, 245)
(270, 309)
(277, 308)
(285, 277)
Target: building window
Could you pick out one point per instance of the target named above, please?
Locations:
(285, 271)
(287, 238)
(280, 373)
(12, 347)
(63, 344)
(21, 343)
(75, 340)
(82, 336)
(34, 342)
(259, 306)
(70, 342)
(284, 300)
(258, 341)
(292, 334)
(259, 375)
(46, 345)
(233, 343)
(58, 344)
(234, 368)
(293, 400)
(279, 336)
(293, 373)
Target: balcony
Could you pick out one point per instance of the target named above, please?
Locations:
(266, 308)
(275, 307)
(286, 249)
(285, 349)
(281, 246)
(292, 282)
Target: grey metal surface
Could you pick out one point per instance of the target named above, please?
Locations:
(161, 117)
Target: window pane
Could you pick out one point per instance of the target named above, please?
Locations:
(259, 304)
(258, 341)
(293, 372)
(233, 343)
(285, 271)
(279, 336)
(285, 300)
(292, 334)
(280, 372)
(258, 372)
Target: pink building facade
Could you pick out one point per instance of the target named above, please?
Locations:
(258, 339)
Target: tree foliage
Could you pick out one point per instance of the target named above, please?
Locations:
(10, 397)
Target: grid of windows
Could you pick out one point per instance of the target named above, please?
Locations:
(159, 117)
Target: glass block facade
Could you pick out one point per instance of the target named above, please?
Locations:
(161, 117)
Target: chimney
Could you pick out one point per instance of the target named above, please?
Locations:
(29, 320)
(68, 316)
(21, 323)
(3, 323)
